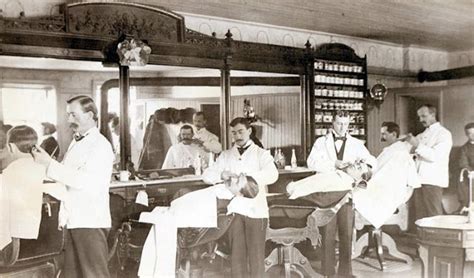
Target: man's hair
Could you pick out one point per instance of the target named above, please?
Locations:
(392, 127)
(187, 127)
(432, 109)
(23, 136)
(200, 113)
(340, 113)
(469, 126)
(240, 120)
(87, 104)
(50, 127)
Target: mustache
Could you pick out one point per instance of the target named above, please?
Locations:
(73, 125)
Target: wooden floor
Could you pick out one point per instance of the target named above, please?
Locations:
(368, 267)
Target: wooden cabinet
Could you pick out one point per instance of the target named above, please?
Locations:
(340, 83)
(446, 246)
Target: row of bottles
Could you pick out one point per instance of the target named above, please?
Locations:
(280, 159)
(340, 92)
(336, 79)
(200, 164)
(338, 105)
(352, 130)
(332, 66)
(326, 117)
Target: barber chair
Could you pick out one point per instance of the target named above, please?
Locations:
(36, 257)
(376, 239)
(317, 213)
(194, 244)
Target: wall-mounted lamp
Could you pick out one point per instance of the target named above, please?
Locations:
(378, 93)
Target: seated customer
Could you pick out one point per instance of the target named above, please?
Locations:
(21, 193)
(183, 154)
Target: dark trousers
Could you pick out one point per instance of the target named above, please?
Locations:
(247, 241)
(86, 253)
(428, 201)
(345, 224)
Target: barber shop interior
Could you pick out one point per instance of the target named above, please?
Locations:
(270, 138)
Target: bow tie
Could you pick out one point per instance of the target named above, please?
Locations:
(342, 138)
(242, 149)
(78, 137)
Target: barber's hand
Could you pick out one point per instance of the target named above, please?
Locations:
(227, 175)
(235, 184)
(412, 140)
(341, 164)
(41, 156)
(198, 141)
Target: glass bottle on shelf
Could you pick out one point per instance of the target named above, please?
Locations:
(197, 165)
(294, 163)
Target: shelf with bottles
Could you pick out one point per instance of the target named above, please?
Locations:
(358, 132)
(322, 117)
(339, 79)
(338, 104)
(333, 66)
(338, 92)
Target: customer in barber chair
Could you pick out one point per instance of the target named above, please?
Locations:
(335, 151)
(184, 154)
(240, 176)
(21, 192)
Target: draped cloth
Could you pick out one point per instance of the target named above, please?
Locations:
(158, 257)
(21, 199)
(391, 185)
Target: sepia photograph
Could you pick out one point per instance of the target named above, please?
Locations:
(236, 138)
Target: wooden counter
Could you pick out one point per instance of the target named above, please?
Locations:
(166, 188)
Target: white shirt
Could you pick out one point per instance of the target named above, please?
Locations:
(432, 155)
(322, 157)
(210, 141)
(182, 156)
(21, 196)
(85, 170)
(255, 162)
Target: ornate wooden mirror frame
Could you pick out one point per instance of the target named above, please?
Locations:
(91, 31)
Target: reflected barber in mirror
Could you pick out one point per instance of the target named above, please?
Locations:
(50, 144)
(185, 153)
(85, 171)
(431, 150)
(204, 138)
(246, 169)
(338, 150)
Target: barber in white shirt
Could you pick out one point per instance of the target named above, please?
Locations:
(248, 228)
(431, 148)
(208, 141)
(335, 151)
(86, 171)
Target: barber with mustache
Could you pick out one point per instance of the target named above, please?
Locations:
(184, 154)
(85, 171)
(431, 150)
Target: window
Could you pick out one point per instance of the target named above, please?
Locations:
(28, 105)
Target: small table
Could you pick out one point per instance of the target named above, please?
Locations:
(446, 246)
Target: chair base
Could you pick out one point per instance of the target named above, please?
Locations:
(292, 260)
(375, 239)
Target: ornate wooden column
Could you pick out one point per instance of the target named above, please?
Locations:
(124, 87)
(225, 96)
